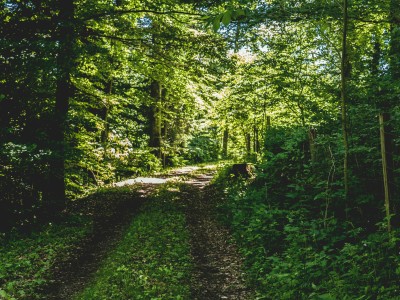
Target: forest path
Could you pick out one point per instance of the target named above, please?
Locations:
(217, 264)
(217, 270)
(111, 216)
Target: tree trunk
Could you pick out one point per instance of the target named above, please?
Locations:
(256, 140)
(312, 135)
(383, 118)
(156, 119)
(248, 143)
(54, 192)
(225, 140)
(107, 109)
(395, 74)
(344, 79)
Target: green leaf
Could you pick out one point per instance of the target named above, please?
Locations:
(314, 286)
(226, 18)
(240, 12)
(217, 22)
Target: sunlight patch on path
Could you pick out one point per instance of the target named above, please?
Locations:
(174, 175)
(148, 180)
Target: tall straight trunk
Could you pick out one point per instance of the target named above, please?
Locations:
(156, 94)
(54, 192)
(386, 139)
(312, 135)
(256, 145)
(344, 79)
(156, 119)
(248, 143)
(107, 108)
(394, 64)
(225, 140)
(163, 126)
(383, 137)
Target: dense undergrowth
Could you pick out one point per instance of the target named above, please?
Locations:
(298, 238)
(152, 261)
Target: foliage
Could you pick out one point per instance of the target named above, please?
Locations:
(100, 128)
(94, 91)
(203, 147)
(291, 230)
(20, 165)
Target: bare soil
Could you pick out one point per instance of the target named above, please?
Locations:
(217, 270)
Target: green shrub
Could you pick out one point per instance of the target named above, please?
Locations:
(289, 225)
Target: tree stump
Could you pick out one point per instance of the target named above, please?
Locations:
(245, 170)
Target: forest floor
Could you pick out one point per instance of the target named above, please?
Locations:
(216, 266)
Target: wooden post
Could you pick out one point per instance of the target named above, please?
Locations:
(382, 119)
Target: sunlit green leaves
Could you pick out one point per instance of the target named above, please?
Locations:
(227, 17)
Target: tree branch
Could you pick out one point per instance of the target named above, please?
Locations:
(138, 11)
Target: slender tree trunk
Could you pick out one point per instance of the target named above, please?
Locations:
(225, 140)
(312, 135)
(386, 138)
(389, 131)
(256, 145)
(156, 119)
(164, 126)
(54, 193)
(107, 109)
(248, 143)
(344, 79)
(382, 119)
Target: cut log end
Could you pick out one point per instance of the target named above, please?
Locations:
(245, 170)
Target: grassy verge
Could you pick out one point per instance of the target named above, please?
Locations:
(25, 260)
(152, 261)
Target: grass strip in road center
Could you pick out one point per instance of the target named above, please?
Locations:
(152, 260)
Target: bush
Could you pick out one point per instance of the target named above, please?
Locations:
(202, 148)
(289, 225)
